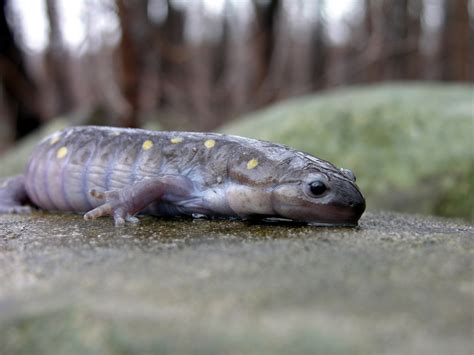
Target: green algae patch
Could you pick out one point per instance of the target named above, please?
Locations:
(410, 145)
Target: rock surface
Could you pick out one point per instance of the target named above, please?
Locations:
(399, 284)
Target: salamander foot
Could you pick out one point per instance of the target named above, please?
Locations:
(114, 205)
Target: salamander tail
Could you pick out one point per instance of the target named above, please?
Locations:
(13, 196)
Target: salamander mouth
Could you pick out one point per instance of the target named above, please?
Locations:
(323, 216)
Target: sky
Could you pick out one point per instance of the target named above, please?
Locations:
(31, 15)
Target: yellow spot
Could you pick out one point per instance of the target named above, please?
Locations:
(176, 140)
(62, 152)
(115, 133)
(210, 143)
(148, 144)
(252, 163)
(54, 139)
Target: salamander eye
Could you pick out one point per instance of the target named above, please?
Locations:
(317, 187)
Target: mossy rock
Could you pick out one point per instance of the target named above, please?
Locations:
(14, 160)
(410, 145)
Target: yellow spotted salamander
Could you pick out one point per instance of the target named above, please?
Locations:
(121, 172)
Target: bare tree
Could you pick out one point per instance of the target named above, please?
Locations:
(19, 90)
(386, 42)
(278, 74)
(454, 53)
(319, 47)
(401, 38)
(58, 64)
(266, 13)
(134, 43)
(173, 54)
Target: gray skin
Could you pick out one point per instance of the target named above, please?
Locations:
(123, 172)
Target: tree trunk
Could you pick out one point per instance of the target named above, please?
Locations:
(264, 44)
(173, 55)
(18, 88)
(129, 52)
(58, 64)
(319, 49)
(395, 39)
(454, 52)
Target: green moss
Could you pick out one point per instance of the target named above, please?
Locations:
(410, 145)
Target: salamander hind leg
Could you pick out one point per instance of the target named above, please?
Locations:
(13, 196)
(125, 203)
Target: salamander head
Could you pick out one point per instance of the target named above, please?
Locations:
(320, 197)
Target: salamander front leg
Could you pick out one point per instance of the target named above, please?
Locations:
(125, 203)
(114, 205)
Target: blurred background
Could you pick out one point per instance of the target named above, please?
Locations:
(209, 64)
(195, 64)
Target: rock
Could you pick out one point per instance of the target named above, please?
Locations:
(14, 160)
(399, 284)
(410, 145)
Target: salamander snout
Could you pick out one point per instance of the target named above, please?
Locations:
(320, 199)
(358, 205)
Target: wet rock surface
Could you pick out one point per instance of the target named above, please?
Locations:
(398, 284)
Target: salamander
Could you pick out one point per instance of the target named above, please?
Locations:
(123, 172)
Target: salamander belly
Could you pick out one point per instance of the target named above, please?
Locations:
(60, 184)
